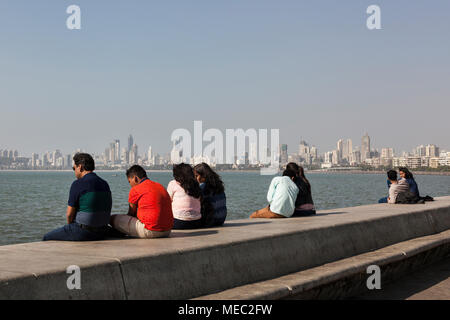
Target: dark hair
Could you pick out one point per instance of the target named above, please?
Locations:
(299, 171)
(392, 175)
(213, 183)
(408, 174)
(136, 171)
(289, 173)
(85, 160)
(184, 175)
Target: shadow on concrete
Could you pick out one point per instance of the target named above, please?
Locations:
(329, 213)
(181, 234)
(241, 224)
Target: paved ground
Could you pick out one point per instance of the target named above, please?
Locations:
(431, 283)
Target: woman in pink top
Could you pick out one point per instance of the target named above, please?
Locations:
(185, 193)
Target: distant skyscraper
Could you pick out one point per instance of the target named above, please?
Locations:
(34, 160)
(112, 152)
(134, 154)
(356, 157)
(283, 154)
(340, 150)
(303, 149)
(365, 147)
(387, 153)
(150, 156)
(130, 142)
(175, 154)
(347, 150)
(314, 153)
(117, 151)
(431, 151)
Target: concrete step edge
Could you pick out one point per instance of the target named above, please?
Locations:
(295, 283)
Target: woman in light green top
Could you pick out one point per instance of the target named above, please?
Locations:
(281, 196)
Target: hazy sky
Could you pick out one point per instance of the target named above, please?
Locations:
(309, 68)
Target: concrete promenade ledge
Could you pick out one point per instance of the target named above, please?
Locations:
(236, 261)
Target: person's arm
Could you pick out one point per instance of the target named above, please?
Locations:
(71, 214)
(132, 210)
(72, 203)
(392, 190)
(171, 189)
(413, 186)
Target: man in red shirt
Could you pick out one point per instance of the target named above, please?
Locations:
(150, 208)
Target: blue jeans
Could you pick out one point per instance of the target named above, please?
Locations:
(73, 232)
(383, 200)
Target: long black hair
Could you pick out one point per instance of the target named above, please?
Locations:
(213, 183)
(184, 175)
(299, 171)
(408, 174)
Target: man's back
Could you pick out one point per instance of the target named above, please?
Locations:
(396, 188)
(154, 206)
(91, 196)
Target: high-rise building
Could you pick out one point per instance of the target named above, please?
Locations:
(150, 161)
(431, 151)
(133, 154)
(328, 157)
(314, 153)
(124, 157)
(303, 149)
(130, 142)
(283, 154)
(112, 152)
(365, 147)
(339, 150)
(356, 157)
(117, 151)
(107, 155)
(420, 151)
(34, 160)
(176, 153)
(305, 152)
(387, 153)
(344, 150)
(348, 150)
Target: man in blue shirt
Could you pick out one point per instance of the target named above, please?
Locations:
(89, 205)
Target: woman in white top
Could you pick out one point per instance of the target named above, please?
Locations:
(281, 197)
(185, 193)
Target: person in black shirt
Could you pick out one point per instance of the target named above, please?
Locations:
(304, 204)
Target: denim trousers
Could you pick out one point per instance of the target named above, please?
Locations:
(73, 232)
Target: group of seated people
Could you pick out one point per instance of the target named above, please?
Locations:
(403, 190)
(195, 198)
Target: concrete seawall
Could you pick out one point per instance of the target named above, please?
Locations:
(204, 262)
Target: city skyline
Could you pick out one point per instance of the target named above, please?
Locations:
(168, 148)
(345, 154)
